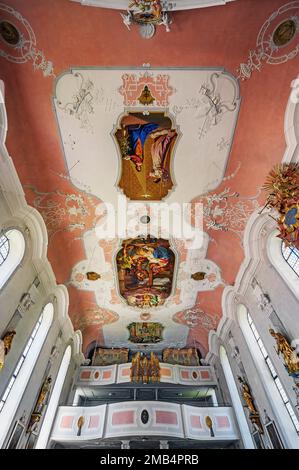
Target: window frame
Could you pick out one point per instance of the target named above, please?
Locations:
(291, 251)
(4, 246)
(285, 399)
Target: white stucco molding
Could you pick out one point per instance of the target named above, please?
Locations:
(3, 116)
(291, 130)
(27, 219)
(178, 4)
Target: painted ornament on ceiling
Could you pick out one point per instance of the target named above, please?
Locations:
(196, 317)
(91, 314)
(227, 211)
(135, 86)
(146, 145)
(145, 271)
(65, 211)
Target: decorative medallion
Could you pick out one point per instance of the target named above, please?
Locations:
(284, 33)
(146, 97)
(144, 416)
(147, 31)
(145, 219)
(9, 33)
(145, 271)
(145, 316)
(146, 144)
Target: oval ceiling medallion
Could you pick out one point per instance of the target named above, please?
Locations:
(9, 33)
(284, 33)
(145, 219)
(144, 416)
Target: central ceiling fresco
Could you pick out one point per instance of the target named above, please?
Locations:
(146, 176)
(130, 135)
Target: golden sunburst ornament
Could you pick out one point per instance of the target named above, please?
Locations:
(282, 185)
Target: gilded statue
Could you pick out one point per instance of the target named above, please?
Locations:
(5, 346)
(154, 368)
(291, 360)
(247, 395)
(33, 422)
(135, 368)
(254, 415)
(40, 403)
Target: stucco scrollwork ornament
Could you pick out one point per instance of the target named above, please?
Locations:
(80, 99)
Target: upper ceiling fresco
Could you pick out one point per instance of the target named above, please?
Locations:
(84, 131)
(163, 122)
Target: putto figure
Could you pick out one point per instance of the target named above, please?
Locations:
(148, 14)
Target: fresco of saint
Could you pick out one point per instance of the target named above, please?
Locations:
(146, 146)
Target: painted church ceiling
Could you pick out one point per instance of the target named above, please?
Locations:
(90, 133)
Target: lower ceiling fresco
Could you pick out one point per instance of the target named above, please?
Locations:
(103, 152)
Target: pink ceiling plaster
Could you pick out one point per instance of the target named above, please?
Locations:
(82, 36)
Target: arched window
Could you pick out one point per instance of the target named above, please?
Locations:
(273, 387)
(12, 249)
(285, 260)
(12, 396)
(4, 248)
(54, 399)
(291, 255)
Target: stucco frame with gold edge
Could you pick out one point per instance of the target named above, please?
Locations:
(144, 110)
(168, 300)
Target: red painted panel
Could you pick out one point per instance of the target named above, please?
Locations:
(123, 417)
(195, 422)
(166, 417)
